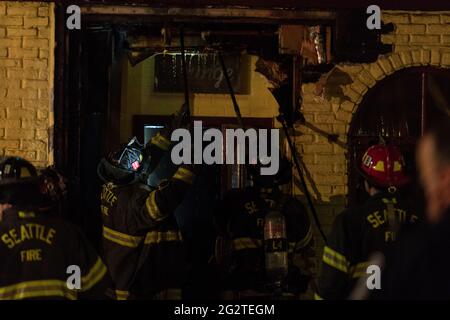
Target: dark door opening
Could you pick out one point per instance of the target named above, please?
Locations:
(88, 109)
(399, 108)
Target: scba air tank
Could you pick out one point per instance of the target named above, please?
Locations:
(276, 248)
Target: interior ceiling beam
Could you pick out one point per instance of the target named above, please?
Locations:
(422, 5)
(199, 13)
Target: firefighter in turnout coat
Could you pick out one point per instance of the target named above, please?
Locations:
(359, 232)
(142, 243)
(40, 253)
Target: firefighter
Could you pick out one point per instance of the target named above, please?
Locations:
(243, 217)
(142, 242)
(359, 232)
(37, 249)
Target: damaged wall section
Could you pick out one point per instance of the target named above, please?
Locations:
(419, 39)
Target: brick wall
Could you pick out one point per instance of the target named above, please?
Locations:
(26, 89)
(26, 80)
(419, 39)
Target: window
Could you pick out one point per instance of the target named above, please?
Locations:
(232, 176)
(150, 130)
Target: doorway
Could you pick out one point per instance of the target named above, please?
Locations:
(88, 101)
(399, 108)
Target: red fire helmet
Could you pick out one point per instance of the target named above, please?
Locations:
(384, 166)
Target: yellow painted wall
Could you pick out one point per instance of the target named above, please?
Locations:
(138, 97)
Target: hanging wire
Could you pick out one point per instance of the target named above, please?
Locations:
(231, 90)
(291, 146)
(185, 75)
(302, 179)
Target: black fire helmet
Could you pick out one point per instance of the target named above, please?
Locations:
(19, 184)
(122, 166)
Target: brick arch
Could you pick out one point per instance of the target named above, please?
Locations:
(371, 74)
(383, 67)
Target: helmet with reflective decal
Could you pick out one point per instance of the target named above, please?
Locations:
(384, 167)
(122, 165)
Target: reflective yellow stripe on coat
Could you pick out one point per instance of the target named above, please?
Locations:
(246, 243)
(37, 289)
(122, 295)
(126, 240)
(153, 237)
(359, 270)
(95, 274)
(152, 207)
(160, 141)
(121, 238)
(185, 175)
(317, 297)
(335, 259)
(339, 262)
